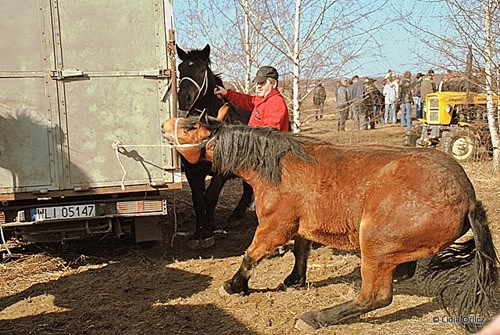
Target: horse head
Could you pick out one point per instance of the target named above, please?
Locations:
(193, 136)
(197, 83)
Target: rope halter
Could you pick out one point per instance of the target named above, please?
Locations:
(203, 87)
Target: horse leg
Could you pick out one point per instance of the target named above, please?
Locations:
(379, 260)
(246, 198)
(211, 199)
(197, 184)
(238, 284)
(376, 292)
(405, 271)
(267, 238)
(297, 277)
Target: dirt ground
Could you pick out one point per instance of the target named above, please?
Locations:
(112, 286)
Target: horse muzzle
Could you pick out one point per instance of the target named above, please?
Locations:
(167, 130)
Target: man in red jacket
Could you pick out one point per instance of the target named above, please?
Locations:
(268, 106)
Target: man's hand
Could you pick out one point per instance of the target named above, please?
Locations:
(220, 92)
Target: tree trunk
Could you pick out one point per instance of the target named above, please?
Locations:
(248, 56)
(490, 106)
(296, 68)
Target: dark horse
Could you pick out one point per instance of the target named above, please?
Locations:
(196, 94)
(373, 200)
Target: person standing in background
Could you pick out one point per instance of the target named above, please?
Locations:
(319, 98)
(416, 95)
(390, 96)
(427, 86)
(357, 94)
(342, 101)
(406, 98)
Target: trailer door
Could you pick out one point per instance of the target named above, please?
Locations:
(28, 105)
(75, 78)
(111, 73)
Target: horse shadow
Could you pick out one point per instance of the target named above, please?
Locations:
(138, 295)
(25, 159)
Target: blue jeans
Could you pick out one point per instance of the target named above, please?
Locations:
(418, 107)
(390, 108)
(406, 114)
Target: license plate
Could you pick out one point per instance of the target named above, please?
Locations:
(63, 212)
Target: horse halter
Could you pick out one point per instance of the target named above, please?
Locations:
(203, 87)
(177, 144)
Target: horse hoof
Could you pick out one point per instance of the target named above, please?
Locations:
(309, 321)
(226, 290)
(305, 326)
(194, 245)
(291, 282)
(232, 223)
(207, 242)
(201, 243)
(223, 292)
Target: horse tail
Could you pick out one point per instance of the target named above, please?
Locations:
(465, 274)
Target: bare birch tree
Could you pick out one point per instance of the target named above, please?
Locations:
(225, 25)
(305, 39)
(316, 39)
(490, 6)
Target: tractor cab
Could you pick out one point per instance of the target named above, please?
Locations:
(455, 122)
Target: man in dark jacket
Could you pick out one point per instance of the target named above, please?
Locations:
(342, 99)
(319, 97)
(357, 93)
(427, 86)
(406, 99)
(416, 95)
(373, 102)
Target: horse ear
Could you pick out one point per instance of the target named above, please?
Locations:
(181, 53)
(222, 113)
(206, 51)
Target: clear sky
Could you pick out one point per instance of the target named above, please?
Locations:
(398, 49)
(401, 47)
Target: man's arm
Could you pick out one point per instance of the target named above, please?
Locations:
(243, 101)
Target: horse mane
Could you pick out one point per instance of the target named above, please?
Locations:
(218, 79)
(241, 148)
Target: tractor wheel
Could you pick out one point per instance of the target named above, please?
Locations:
(460, 143)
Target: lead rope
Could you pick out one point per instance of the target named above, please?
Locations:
(3, 241)
(175, 221)
(117, 145)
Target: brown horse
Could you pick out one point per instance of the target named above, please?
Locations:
(393, 205)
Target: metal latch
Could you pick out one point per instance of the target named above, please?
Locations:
(65, 73)
(156, 73)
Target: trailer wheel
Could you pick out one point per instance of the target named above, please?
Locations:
(459, 143)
